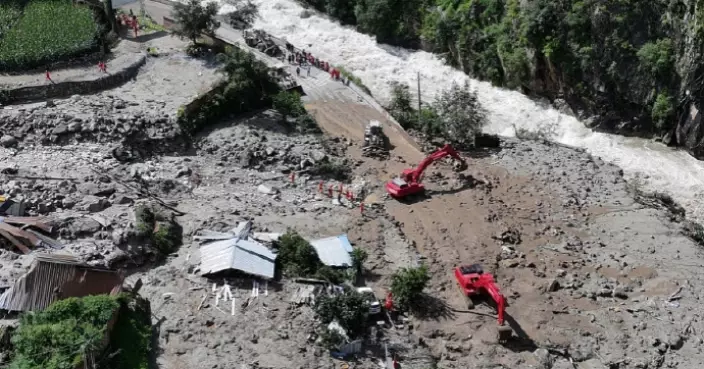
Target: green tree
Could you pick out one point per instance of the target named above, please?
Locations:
(289, 104)
(297, 256)
(376, 17)
(342, 10)
(193, 19)
(244, 14)
(407, 285)
(461, 114)
(401, 105)
(350, 309)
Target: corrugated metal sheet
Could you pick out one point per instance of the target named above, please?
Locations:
(334, 251)
(246, 256)
(55, 277)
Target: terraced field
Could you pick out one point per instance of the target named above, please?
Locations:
(39, 32)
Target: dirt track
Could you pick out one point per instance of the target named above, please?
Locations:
(579, 226)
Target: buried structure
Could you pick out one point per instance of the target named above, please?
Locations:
(54, 277)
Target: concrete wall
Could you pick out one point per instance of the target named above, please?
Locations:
(66, 89)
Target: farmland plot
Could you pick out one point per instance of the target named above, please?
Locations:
(46, 31)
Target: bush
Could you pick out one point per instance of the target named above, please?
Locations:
(48, 31)
(131, 338)
(350, 309)
(336, 170)
(662, 111)
(330, 338)
(160, 230)
(695, 231)
(289, 104)
(407, 285)
(657, 56)
(60, 336)
(359, 256)
(248, 87)
(296, 255)
(307, 124)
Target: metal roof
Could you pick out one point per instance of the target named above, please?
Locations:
(54, 277)
(334, 251)
(246, 256)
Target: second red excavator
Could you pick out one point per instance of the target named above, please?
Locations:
(474, 282)
(408, 183)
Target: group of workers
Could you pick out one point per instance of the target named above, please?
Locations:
(303, 59)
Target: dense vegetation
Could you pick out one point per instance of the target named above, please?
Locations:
(611, 57)
(40, 32)
(455, 117)
(73, 331)
(248, 86)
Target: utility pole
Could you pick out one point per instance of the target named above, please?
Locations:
(418, 97)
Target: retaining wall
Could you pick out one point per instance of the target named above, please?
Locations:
(69, 88)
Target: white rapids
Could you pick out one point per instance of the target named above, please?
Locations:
(661, 168)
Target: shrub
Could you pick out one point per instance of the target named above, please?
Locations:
(297, 256)
(248, 87)
(657, 56)
(407, 285)
(60, 336)
(695, 231)
(307, 124)
(662, 111)
(330, 338)
(336, 170)
(162, 231)
(131, 338)
(359, 256)
(350, 309)
(168, 236)
(289, 104)
(48, 31)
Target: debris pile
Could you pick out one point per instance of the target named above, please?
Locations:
(23, 234)
(81, 119)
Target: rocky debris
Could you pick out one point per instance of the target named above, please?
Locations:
(8, 141)
(103, 118)
(267, 190)
(509, 235)
(249, 147)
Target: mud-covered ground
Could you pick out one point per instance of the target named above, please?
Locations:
(593, 278)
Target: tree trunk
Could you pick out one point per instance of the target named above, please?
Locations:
(110, 12)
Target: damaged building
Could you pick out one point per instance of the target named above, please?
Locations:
(54, 277)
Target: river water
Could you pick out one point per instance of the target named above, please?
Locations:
(658, 167)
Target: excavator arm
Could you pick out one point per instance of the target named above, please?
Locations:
(414, 175)
(408, 183)
(493, 291)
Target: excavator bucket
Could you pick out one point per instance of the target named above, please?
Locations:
(505, 333)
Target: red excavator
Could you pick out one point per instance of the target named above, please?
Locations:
(474, 282)
(409, 181)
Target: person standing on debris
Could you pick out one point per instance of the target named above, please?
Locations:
(298, 71)
(309, 71)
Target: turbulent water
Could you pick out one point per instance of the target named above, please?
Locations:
(659, 167)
